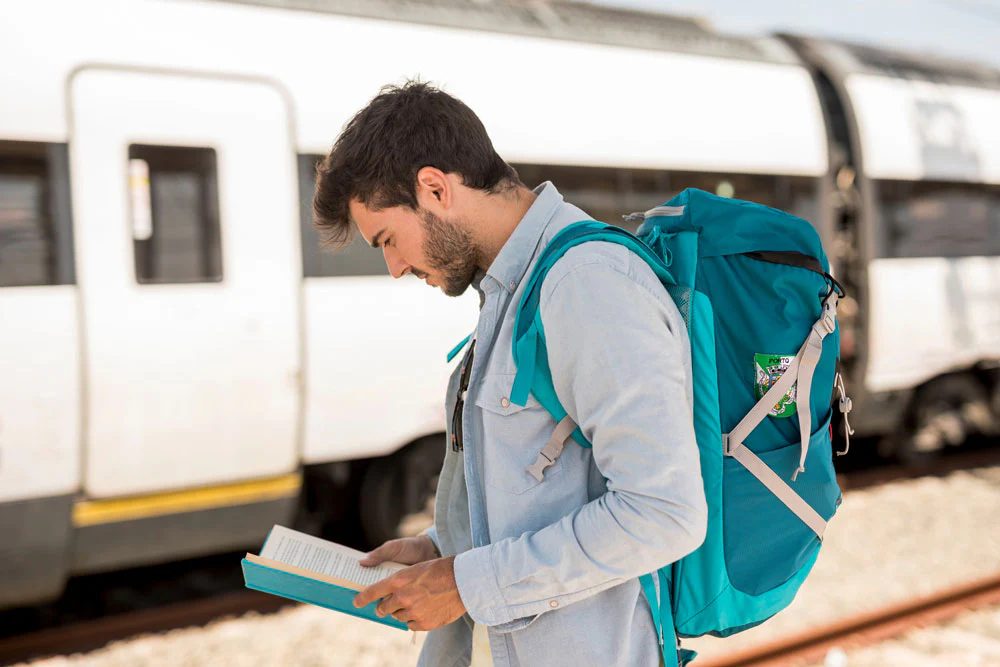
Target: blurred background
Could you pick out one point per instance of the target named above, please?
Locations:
(181, 366)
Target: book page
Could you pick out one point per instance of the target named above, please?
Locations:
(306, 552)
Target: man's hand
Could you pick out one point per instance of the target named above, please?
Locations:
(424, 596)
(407, 550)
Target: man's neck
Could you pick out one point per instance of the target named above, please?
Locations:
(498, 217)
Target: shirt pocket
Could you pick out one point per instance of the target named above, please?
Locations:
(513, 436)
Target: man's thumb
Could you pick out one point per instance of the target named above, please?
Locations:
(381, 554)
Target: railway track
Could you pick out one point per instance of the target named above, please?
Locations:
(864, 629)
(114, 623)
(811, 646)
(954, 461)
(93, 634)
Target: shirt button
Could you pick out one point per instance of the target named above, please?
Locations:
(512, 286)
(553, 603)
(504, 402)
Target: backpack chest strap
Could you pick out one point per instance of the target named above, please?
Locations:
(553, 448)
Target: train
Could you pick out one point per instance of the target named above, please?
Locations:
(182, 366)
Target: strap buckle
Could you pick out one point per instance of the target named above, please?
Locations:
(537, 469)
(829, 317)
(553, 448)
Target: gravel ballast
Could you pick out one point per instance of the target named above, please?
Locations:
(886, 544)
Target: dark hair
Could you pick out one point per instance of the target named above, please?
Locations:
(377, 156)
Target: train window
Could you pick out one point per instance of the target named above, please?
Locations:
(939, 219)
(174, 206)
(35, 230)
(358, 259)
(607, 193)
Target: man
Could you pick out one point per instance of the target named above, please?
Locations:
(518, 571)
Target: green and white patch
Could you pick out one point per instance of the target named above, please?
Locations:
(768, 368)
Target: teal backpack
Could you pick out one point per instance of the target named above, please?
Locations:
(754, 289)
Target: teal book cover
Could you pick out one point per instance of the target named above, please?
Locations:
(304, 568)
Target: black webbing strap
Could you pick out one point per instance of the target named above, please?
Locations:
(798, 260)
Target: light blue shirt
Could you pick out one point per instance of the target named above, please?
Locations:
(551, 567)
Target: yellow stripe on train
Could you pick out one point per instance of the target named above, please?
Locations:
(93, 512)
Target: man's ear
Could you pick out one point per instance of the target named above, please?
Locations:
(435, 190)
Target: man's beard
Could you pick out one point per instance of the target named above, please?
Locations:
(450, 250)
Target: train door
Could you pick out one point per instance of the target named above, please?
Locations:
(187, 249)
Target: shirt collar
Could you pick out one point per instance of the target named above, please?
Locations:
(512, 261)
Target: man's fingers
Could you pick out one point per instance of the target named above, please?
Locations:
(403, 615)
(375, 591)
(388, 606)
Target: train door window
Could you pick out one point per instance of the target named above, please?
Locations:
(358, 259)
(35, 230)
(939, 219)
(174, 210)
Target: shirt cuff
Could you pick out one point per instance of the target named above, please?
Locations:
(515, 625)
(431, 532)
(476, 580)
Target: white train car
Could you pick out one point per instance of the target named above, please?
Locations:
(916, 150)
(180, 365)
(177, 355)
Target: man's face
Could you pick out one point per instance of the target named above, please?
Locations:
(440, 252)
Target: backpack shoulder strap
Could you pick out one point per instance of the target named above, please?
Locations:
(458, 348)
(530, 356)
(534, 377)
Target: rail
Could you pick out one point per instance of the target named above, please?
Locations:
(864, 629)
(94, 634)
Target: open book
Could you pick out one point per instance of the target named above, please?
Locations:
(308, 569)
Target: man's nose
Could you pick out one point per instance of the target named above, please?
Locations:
(397, 267)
